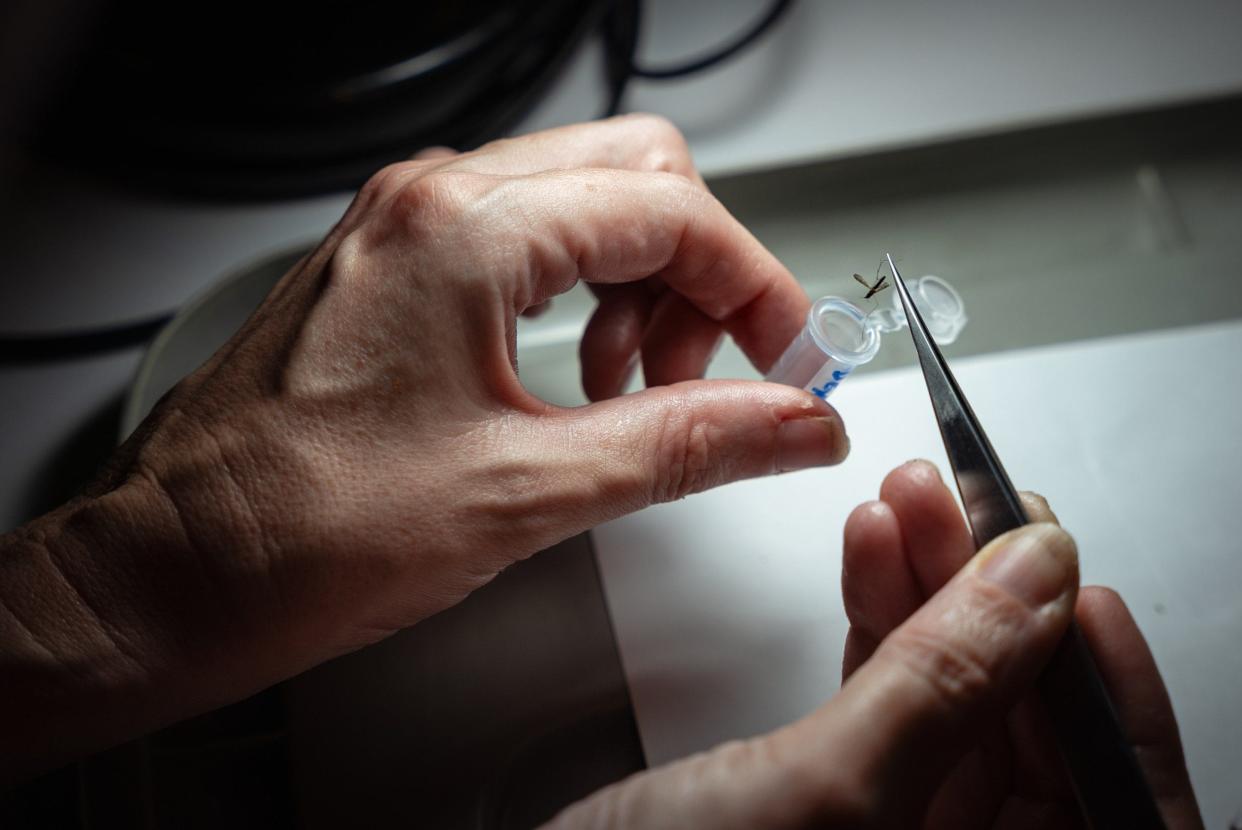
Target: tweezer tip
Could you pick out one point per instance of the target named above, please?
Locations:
(892, 266)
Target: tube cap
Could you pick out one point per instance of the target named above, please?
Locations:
(941, 306)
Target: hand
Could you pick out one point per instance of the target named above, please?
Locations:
(934, 726)
(362, 454)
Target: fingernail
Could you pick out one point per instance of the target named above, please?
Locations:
(810, 442)
(926, 466)
(1037, 564)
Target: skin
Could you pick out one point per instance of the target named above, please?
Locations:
(935, 725)
(362, 455)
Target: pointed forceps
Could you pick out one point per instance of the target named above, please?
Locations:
(1107, 779)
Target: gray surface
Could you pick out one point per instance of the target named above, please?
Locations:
(493, 714)
(838, 78)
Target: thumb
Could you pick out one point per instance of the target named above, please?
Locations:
(874, 754)
(667, 442)
(954, 668)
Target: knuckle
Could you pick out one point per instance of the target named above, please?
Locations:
(681, 195)
(955, 671)
(499, 146)
(739, 759)
(438, 195)
(374, 192)
(859, 597)
(348, 262)
(685, 452)
(675, 183)
(658, 129)
(667, 149)
(662, 160)
(810, 793)
(384, 182)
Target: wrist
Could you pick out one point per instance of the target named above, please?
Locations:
(66, 661)
(107, 631)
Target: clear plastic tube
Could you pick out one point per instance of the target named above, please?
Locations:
(839, 336)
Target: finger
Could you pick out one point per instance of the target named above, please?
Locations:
(1037, 508)
(878, 587)
(951, 671)
(871, 756)
(638, 142)
(537, 310)
(641, 142)
(620, 455)
(936, 538)
(610, 344)
(1134, 684)
(648, 224)
(679, 341)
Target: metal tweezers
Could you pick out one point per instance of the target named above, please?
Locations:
(1107, 779)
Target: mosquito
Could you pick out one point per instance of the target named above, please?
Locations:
(872, 290)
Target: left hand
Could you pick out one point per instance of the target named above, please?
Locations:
(362, 454)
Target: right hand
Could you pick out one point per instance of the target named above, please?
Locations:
(935, 726)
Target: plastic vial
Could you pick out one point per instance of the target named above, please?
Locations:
(839, 336)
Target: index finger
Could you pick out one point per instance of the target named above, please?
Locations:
(637, 141)
(617, 226)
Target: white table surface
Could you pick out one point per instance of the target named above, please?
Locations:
(727, 605)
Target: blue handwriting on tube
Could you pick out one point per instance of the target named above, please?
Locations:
(838, 375)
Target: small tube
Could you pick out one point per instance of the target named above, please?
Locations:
(837, 337)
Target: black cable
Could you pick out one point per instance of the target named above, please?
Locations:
(257, 169)
(18, 349)
(620, 34)
(291, 138)
(621, 65)
(723, 53)
(307, 103)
